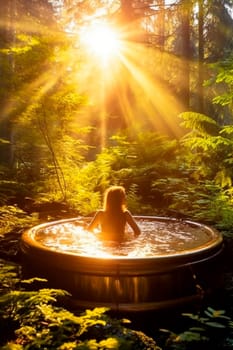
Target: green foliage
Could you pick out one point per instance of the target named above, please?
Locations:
(193, 176)
(15, 219)
(51, 120)
(10, 189)
(8, 278)
(38, 322)
(47, 125)
(133, 163)
(199, 123)
(204, 190)
(201, 201)
(42, 113)
(212, 330)
(224, 77)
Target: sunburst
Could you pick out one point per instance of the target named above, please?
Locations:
(101, 40)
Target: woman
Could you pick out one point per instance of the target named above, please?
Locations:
(114, 216)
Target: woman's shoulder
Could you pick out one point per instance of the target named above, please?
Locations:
(99, 213)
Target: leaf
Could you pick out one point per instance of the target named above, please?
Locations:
(12, 346)
(227, 129)
(110, 343)
(215, 325)
(197, 329)
(34, 279)
(208, 313)
(223, 100)
(192, 316)
(189, 336)
(68, 346)
(200, 123)
(4, 141)
(216, 313)
(125, 320)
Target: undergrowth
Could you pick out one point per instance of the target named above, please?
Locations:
(33, 319)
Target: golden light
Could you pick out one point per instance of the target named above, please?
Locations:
(124, 79)
(102, 40)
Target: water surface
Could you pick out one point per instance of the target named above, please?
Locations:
(157, 238)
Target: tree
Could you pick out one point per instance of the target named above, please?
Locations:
(200, 56)
(186, 8)
(21, 17)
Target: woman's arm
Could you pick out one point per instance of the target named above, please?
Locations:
(132, 223)
(95, 221)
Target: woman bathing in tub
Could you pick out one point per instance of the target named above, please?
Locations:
(114, 216)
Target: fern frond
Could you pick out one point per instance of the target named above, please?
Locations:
(227, 130)
(200, 123)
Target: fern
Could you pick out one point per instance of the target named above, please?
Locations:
(199, 123)
(39, 322)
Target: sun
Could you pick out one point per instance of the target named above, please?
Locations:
(102, 40)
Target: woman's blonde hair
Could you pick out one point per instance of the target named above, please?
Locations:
(115, 199)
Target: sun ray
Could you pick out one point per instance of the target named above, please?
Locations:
(151, 93)
(101, 40)
(116, 75)
(133, 91)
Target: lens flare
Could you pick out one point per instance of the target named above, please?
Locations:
(102, 40)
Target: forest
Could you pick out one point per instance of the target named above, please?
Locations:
(137, 93)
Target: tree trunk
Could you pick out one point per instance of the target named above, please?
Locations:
(7, 16)
(186, 54)
(161, 22)
(200, 57)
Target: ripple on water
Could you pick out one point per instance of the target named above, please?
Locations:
(157, 238)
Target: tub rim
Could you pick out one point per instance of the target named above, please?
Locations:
(28, 244)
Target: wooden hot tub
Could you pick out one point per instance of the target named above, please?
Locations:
(128, 282)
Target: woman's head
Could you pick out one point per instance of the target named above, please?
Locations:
(114, 198)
